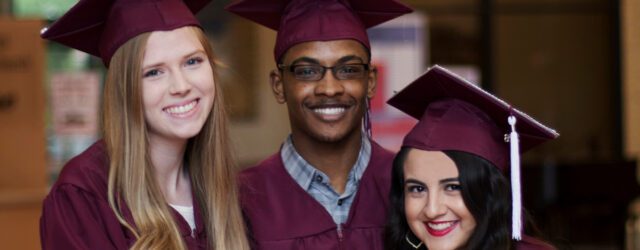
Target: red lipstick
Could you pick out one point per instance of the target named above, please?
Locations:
(441, 232)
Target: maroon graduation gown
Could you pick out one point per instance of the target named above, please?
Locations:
(76, 213)
(527, 243)
(530, 243)
(281, 215)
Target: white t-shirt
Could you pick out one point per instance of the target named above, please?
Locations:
(187, 214)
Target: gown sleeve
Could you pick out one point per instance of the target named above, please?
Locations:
(73, 218)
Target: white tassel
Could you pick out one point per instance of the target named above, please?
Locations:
(516, 217)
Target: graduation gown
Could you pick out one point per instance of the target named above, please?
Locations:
(527, 243)
(76, 213)
(282, 215)
(531, 243)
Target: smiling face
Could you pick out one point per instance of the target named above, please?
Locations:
(326, 110)
(177, 84)
(434, 206)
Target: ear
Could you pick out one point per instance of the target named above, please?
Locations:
(277, 86)
(372, 80)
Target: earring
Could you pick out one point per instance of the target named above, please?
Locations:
(415, 246)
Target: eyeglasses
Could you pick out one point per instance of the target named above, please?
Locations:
(316, 72)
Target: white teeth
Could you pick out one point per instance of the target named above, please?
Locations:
(181, 109)
(329, 111)
(440, 226)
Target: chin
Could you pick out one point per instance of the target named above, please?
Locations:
(333, 134)
(444, 244)
(189, 133)
(330, 136)
(185, 136)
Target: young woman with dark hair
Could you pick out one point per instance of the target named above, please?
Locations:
(448, 187)
(488, 198)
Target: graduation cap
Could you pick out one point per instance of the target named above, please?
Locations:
(100, 27)
(300, 21)
(455, 114)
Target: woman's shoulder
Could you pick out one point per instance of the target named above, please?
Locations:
(531, 243)
(76, 213)
(381, 153)
(88, 170)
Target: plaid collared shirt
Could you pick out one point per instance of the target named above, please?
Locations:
(317, 184)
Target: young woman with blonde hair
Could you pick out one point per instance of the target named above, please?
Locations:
(163, 177)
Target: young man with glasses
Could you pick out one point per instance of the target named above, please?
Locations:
(328, 186)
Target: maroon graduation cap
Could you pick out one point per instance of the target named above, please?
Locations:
(100, 27)
(455, 114)
(300, 21)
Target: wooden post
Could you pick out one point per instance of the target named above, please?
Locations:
(630, 50)
(23, 175)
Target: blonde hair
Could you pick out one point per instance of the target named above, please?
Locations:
(131, 180)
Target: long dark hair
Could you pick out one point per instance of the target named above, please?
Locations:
(486, 193)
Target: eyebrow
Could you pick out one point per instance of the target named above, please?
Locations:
(316, 61)
(443, 181)
(197, 51)
(447, 180)
(305, 59)
(349, 58)
(414, 181)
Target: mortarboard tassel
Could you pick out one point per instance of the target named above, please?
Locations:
(516, 218)
(367, 118)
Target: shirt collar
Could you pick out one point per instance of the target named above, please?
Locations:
(304, 173)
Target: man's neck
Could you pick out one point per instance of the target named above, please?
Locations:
(335, 159)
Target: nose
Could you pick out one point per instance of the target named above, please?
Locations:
(435, 206)
(329, 85)
(180, 84)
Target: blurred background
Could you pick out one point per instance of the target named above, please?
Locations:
(572, 64)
